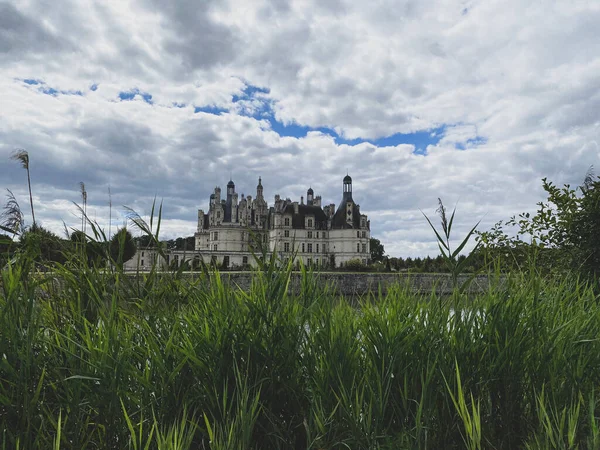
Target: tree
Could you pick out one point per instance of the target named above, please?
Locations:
(377, 250)
(561, 235)
(6, 247)
(122, 247)
(23, 157)
(43, 245)
(93, 251)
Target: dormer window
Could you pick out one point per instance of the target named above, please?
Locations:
(310, 223)
(286, 221)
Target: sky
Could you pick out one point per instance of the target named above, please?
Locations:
(473, 102)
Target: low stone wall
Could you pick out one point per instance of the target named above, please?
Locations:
(353, 284)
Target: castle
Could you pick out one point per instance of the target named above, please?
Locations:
(235, 229)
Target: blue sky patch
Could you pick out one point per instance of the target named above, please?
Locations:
(210, 109)
(130, 95)
(45, 89)
(249, 92)
(94, 87)
(473, 142)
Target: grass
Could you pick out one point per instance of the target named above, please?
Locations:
(93, 359)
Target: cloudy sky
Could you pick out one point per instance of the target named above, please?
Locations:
(470, 101)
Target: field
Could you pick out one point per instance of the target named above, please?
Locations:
(93, 359)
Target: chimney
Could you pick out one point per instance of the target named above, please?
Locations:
(302, 200)
(295, 207)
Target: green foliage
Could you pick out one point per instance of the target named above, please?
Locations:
(354, 265)
(187, 243)
(377, 250)
(93, 358)
(560, 237)
(42, 245)
(122, 247)
(451, 257)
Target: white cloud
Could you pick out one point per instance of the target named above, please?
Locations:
(514, 83)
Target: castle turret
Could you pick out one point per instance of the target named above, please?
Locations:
(310, 196)
(259, 189)
(229, 201)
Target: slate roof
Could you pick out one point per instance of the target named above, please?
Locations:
(298, 220)
(339, 218)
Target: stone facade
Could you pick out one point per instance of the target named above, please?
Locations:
(235, 227)
(317, 235)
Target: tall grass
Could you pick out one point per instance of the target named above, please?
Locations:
(91, 358)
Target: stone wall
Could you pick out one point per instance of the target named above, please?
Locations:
(352, 284)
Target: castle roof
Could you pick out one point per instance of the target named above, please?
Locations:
(298, 220)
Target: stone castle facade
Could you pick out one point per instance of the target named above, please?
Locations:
(234, 227)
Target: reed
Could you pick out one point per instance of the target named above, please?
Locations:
(91, 359)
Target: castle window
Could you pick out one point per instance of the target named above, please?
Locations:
(310, 234)
(287, 221)
(317, 235)
(218, 214)
(243, 236)
(358, 234)
(364, 234)
(317, 248)
(309, 247)
(364, 248)
(216, 236)
(286, 246)
(286, 233)
(245, 260)
(357, 248)
(303, 247)
(215, 247)
(310, 223)
(142, 253)
(142, 262)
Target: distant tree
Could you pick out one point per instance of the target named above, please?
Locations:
(144, 241)
(43, 245)
(354, 265)
(181, 243)
(93, 251)
(122, 247)
(562, 235)
(6, 248)
(23, 157)
(377, 250)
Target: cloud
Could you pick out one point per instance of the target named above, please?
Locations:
(166, 100)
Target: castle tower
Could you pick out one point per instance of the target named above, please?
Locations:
(259, 189)
(348, 185)
(229, 201)
(310, 196)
